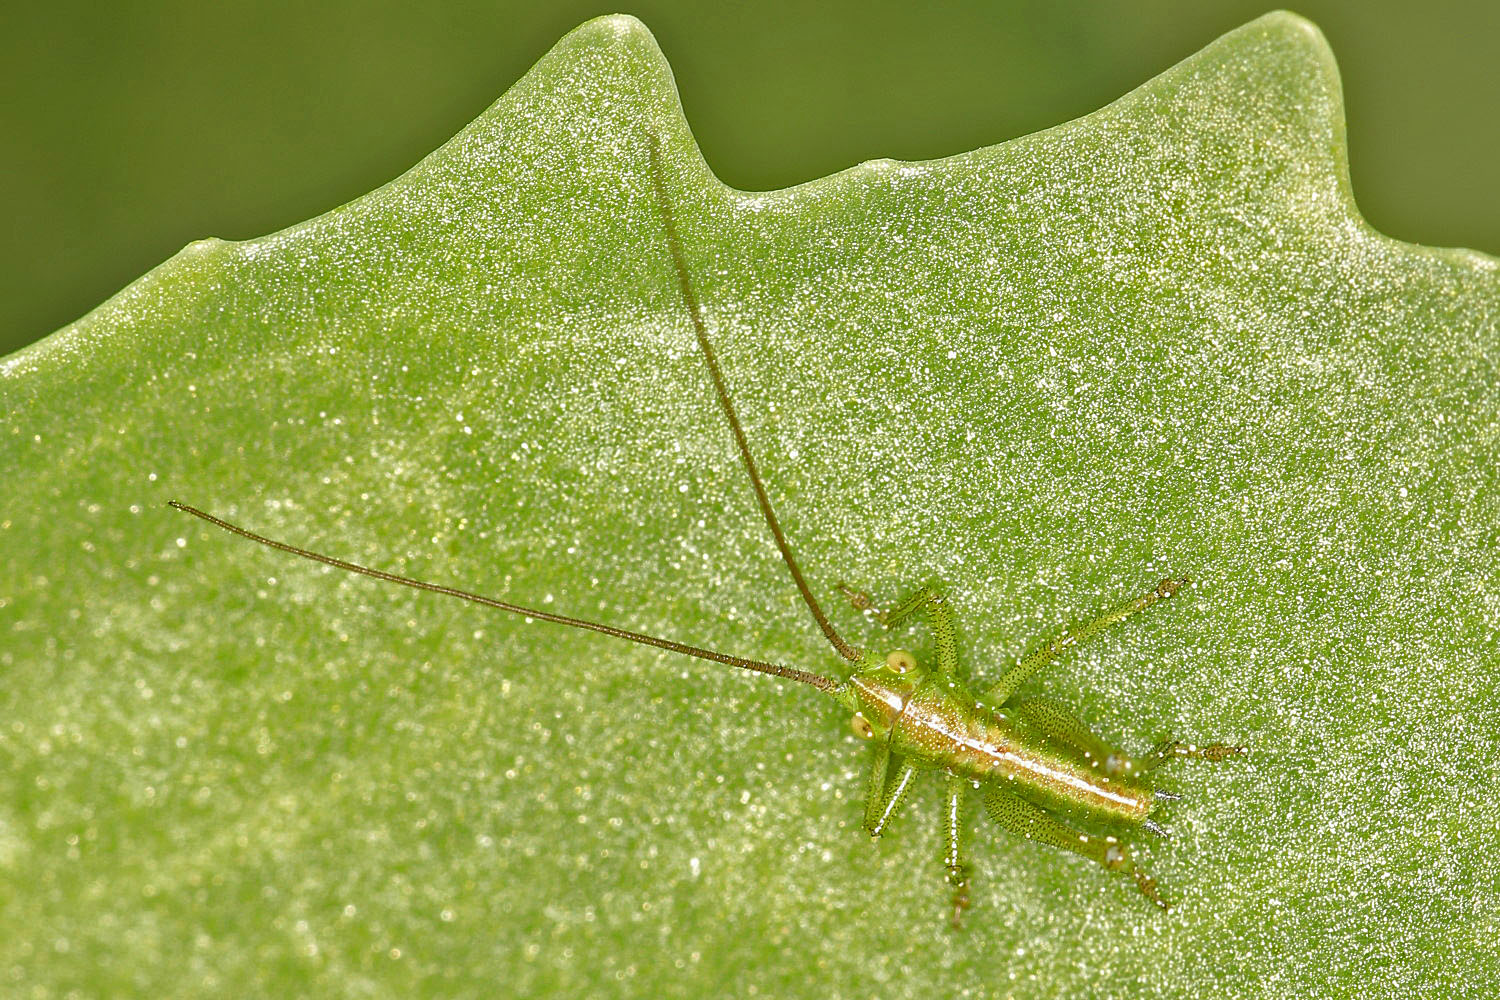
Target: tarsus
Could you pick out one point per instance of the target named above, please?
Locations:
(760, 666)
(690, 298)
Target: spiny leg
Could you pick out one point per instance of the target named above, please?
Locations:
(1070, 637)
(882, 803)
(1065, 727)
(875, 785)
(1177, 750)
(953, 858)
(928, 601)
(1034, 823)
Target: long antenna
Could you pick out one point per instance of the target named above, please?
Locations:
(800, 676)
(690, 298)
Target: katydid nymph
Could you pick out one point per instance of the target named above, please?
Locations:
(1041, 772)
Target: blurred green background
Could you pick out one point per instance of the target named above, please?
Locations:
(129, 132)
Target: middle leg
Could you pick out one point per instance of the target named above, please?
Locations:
(953, 858)
(1006, 686)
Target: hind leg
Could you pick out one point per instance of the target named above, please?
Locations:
(1066, 728)
(1177, 750)
(1028, 820)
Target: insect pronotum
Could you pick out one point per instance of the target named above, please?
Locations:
(1042, 773)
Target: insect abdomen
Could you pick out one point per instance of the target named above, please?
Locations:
(952, 733)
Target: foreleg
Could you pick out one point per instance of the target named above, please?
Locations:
(929, 602)
(883, 801)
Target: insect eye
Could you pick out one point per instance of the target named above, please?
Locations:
(862, 727)
(900, 661)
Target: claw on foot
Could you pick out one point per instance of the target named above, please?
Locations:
(960, 904)
(1178, 750)
(861, 601)
(1151, 826)
(1169, 586)
(858, 598)
(1147, 885)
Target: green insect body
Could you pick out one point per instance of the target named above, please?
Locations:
(1041, 769)
(1042, 773)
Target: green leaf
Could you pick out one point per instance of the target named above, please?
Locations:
(1158, 339)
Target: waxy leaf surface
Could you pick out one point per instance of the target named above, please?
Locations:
(1157, 340)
